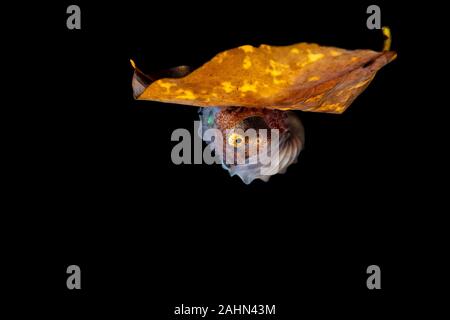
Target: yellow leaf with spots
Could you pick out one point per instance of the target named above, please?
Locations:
(301, 76)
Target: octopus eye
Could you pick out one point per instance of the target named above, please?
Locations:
(235, 140)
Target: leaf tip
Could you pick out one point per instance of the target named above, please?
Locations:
(133, 64)
(387, 38)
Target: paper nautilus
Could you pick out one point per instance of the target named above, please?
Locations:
(259, 88)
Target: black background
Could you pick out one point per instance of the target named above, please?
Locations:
(148, 234)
